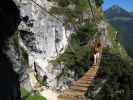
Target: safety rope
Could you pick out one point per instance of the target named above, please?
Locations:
(44, 9)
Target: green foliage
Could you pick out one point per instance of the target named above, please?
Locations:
(63, 3)
(99, 2)
(73, 12)
(89, 28)
(77, 13)
(78, 60)
(119, 75)
(28, 96)
(83, 5)
(81, 54)
(117, 68)
(77, 56)
(70, 9)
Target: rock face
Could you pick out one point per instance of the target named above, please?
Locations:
(42, 36)
(104, 36)
(19, 59)
(9, 79)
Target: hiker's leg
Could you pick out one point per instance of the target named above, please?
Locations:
(94, 59)
(97, 58)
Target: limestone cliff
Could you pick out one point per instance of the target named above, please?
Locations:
(42, 36)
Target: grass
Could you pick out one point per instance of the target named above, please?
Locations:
(27, 96)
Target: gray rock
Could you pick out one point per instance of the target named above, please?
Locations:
(43, 37)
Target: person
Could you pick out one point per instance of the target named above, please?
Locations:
(116, 36)
(97, 49)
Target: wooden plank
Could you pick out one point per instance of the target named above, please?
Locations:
(65, 97)
(87, 79)
(84, 81)
(88, 76)
(71, 92)
(81, 84)
(79, 88)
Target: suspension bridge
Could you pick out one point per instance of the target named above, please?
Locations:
(79, 88)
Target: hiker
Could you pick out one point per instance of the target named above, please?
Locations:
(97, 49)
(116, 36)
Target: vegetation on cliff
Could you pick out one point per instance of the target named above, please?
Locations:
(117, 68)
(28, 96)
(122, 20)
(78, 56)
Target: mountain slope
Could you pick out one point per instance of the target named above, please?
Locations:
(116, 11)
(131, 13)
(122, 20)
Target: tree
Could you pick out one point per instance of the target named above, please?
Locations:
(99, 2)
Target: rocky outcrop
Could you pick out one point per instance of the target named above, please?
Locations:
(103, 33)
(9, 79)
(42, 36)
